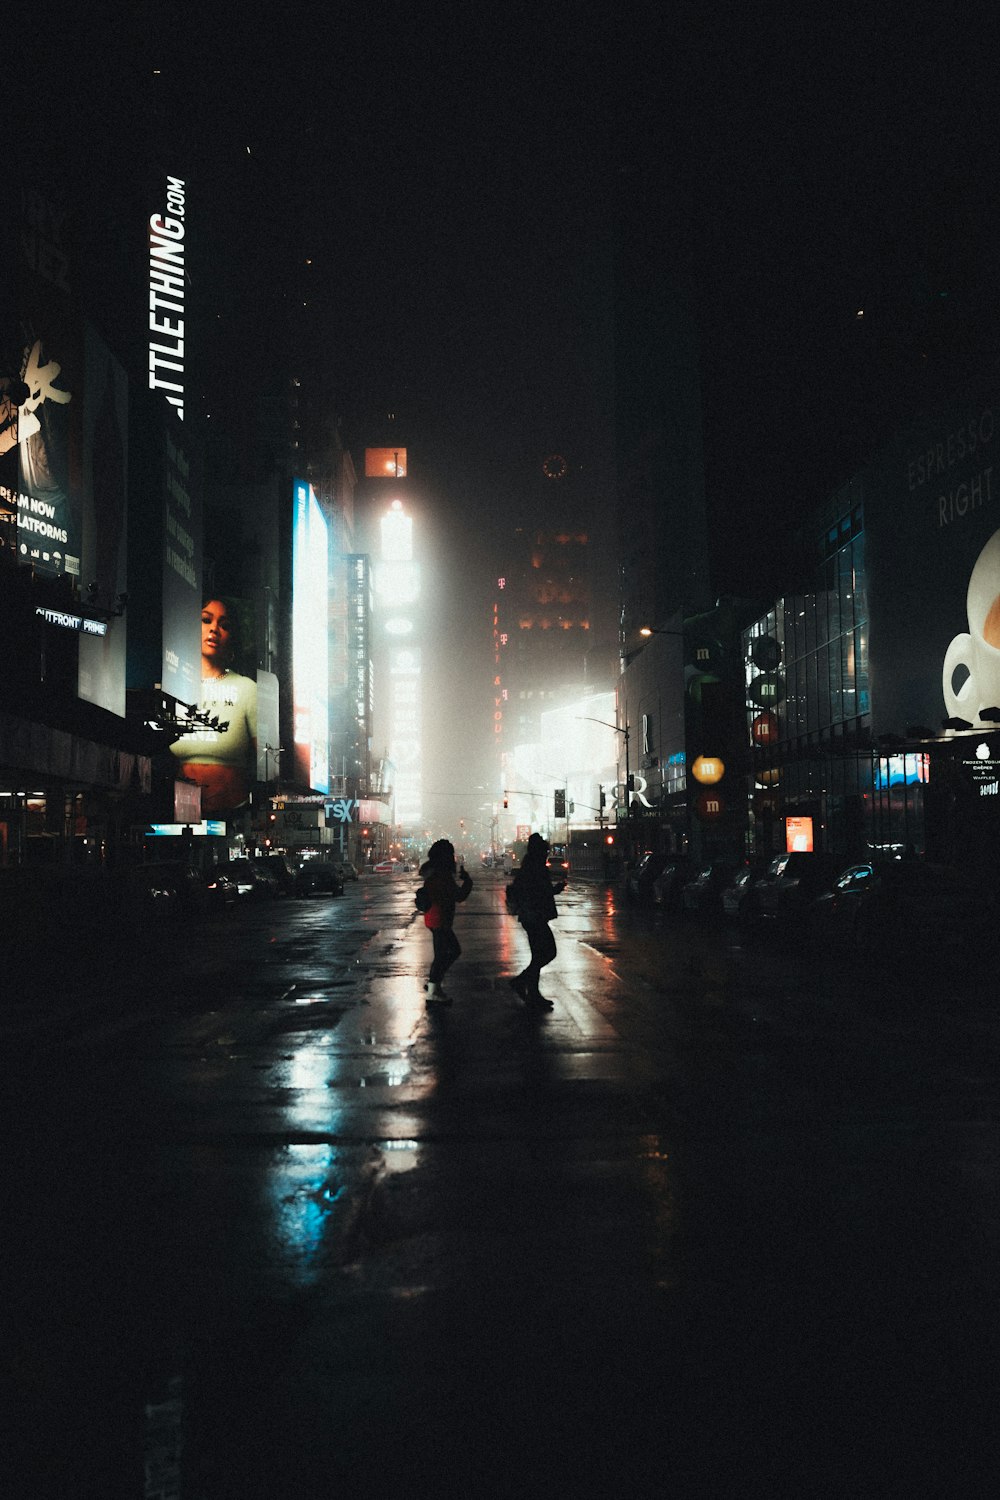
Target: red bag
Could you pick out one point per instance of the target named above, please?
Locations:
(432, 917)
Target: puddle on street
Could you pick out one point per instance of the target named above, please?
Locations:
(303, 1189)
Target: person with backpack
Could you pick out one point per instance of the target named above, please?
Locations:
(531, 897)
(437, 899)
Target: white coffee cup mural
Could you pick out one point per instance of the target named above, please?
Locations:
(971, 674)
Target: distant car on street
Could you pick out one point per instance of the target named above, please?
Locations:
(384, 867)
(252, 880)
(283, 871)
(319, 877)
(347, 868)
(557, 861)
(171, 884)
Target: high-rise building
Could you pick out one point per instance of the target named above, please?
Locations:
(545, 605)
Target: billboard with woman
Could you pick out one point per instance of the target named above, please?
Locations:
(222, 759)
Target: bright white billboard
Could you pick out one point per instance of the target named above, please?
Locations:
(310, 644)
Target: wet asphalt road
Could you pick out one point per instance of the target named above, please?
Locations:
(721, 1223)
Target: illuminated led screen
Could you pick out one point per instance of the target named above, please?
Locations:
(310, 651)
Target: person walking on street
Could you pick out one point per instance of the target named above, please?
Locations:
(531, 896)
(437, 899)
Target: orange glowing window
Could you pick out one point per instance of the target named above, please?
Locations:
(385, 463)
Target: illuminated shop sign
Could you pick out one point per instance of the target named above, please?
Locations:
(499, 691)
(166, 297)
(799, 835)
(764, 729)
(708, 769)
(766, 690)
(343, 809)
(984, 771)
(209, 828)
(72, 622)
(709, 806)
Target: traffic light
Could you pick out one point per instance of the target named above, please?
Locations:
(505, 804)
(560, 803)
(609, 838)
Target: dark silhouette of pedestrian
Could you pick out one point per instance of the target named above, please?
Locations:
(437, 899)
(531, 897)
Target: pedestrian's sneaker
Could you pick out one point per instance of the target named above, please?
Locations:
(538, 1002)
(435, 994)
(519, 985)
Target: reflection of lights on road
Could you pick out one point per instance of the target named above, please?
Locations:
(302, 1195)
(400, 1156)
(392, 1078)
(309, 1068)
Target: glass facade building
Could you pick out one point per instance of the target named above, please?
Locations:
(808, 698)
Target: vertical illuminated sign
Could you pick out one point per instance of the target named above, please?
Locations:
(360, 677)
(166, 296)
(499, 691)
(310, 649)
(398, 587)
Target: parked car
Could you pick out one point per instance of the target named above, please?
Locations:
(906, 908)
(791, 884)
(639, 879)
(318, 877)
(702, 896)
(150, 891)
(741, 895)
(670, 882)
(172, 883)
(252, 880)
(222, 889)
(283, 871)
(347, 868)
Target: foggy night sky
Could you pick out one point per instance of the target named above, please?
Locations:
(457, 175)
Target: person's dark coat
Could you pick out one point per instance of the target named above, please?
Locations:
(440, 893)
(532, 891)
